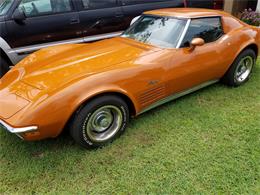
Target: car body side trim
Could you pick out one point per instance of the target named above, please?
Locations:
(4, 45)
(81, 40)
(16, 54)
(183, 33)
(178, 95)
(8, 51)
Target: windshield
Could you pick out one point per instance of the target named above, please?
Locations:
(157, 30)
(5, 5)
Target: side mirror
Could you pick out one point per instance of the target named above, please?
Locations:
(134, 20)
(196, 42)
(19, 15)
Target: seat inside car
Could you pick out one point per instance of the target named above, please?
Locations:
(60, 5)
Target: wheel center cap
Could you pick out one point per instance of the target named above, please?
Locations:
(104, 123)
(243, 69)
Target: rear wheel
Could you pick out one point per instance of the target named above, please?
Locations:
(100, 121)
(241, 69)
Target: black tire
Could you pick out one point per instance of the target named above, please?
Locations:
(231, 76)
(4, 66)
(91, 114)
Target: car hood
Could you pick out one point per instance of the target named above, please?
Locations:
(59, 65)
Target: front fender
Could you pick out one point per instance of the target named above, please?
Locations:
(107, 89)
(52, 112)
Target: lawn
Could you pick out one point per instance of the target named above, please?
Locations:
(204, 143)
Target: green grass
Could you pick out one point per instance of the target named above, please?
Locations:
(204, 143)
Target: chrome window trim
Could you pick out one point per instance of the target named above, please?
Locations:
(188, 20)
(183, 33)
(204, 17)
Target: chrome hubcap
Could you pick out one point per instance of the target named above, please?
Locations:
(104, 123)
(244, 69)
(102, 120)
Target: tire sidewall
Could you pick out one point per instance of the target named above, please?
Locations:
(229, 77)
(83, 116)
(244, 54)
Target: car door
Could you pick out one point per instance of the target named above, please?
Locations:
(133, 8)
(190, 68)
(100, 17)
(46, 21)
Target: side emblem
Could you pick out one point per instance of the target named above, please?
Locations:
(153, 82)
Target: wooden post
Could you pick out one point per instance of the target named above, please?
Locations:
(228, 6)
(235, 7)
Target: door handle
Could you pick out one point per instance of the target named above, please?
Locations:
(74, 21)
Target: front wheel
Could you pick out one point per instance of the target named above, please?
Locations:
(100, 121)
(241, 69)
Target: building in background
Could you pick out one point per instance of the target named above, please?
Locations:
(232, 6)
(258, 6)
(237, 6)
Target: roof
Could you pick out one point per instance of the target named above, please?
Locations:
(186, 12)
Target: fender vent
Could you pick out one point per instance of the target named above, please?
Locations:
(152, 95)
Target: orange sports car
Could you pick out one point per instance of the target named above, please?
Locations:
(94, 88)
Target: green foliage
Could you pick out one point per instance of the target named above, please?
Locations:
(251, 17)
(205, 143)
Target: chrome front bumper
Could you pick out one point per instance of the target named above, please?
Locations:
(19, 130)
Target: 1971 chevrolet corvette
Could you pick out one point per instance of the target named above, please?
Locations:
(94, 88)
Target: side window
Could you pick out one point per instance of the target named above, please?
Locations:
(98, 4)
(209, 29)
(42, 7)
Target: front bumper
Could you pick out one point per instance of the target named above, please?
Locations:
(18, 131)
